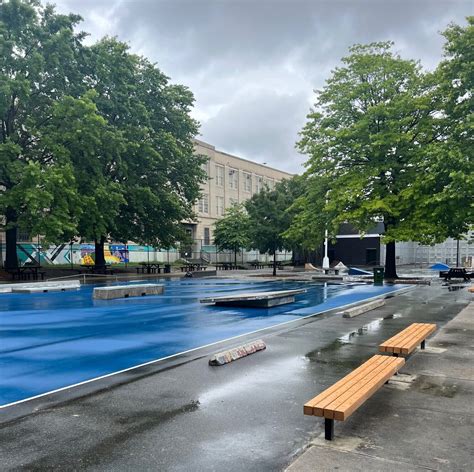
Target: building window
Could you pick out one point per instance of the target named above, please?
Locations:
(233, 179)
(258, 183)
(270, 184)
(219, 176)
(247, 182)
(207, 237)
(203, 204)
(220, 206)
(233, 201)
(205, 167)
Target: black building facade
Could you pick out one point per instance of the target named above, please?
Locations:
(353, 250)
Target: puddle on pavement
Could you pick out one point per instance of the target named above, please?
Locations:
(336, 362)
(455, 331)
(455, 288)
(320, 356)
(371, 327)
(148, 418)
(439, 390)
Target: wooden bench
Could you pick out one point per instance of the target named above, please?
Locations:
(406, 341)
(345, 396)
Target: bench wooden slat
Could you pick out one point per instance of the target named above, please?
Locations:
(398, 337)
(410, 346)
(419, 333)
(347, 408)
(338, 389)
(356, 393)
(407, 340)
(309, 406)
(416, 335)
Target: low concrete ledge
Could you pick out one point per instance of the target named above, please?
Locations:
(59, 288)
(358, 310)
(40, 287)
(403, 281)
(125, 291)
(325, 278)
(197, 274)
(225, 357)
(256, 299)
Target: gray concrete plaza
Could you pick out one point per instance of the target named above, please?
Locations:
(248, 415)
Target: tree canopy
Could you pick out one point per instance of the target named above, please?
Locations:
(270, 217)
(232, 231)
(370, 140)
(447, 178)
(39, 54)
(95, 141)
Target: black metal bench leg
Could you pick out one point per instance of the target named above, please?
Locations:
(423, 344)
(328, 429)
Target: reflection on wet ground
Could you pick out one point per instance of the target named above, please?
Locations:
(455, 288)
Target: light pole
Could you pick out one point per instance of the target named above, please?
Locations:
(326, 258)
(457, 253)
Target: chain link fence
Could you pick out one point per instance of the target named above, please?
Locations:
(74, 255)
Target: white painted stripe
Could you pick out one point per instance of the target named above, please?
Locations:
(200, 347)
(359, 236)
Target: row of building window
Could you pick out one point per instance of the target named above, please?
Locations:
(203, 204)
(233, 179)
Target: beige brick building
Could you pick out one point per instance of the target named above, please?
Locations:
(231, 180)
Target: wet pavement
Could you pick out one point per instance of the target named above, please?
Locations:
(249, 414)
(422, 420)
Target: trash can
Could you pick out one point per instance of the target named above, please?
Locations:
(167, 269)
(378, 275)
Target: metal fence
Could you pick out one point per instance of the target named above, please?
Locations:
(77, 254)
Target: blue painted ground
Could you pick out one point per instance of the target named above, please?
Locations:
(52, 340)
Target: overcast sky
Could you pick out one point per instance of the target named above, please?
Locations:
(253, 64)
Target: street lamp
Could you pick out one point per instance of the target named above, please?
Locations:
(326, 258)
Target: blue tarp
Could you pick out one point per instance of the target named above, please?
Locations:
(439, 266)
(356, 271)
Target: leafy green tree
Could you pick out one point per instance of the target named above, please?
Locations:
(39, 54)
(270, 217)
(365, 139)
(94, 148)
(448, 186)
(232, 231)
(309, 216)
(155, 172)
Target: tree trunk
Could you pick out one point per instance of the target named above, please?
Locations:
(99, 253)
(235, 258)
(274, 264)
(11, 259)
(390, 261)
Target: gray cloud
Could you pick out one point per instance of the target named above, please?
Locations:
(252, 65)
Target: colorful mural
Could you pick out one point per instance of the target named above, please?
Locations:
(120, 251)
(83, 254)
(113, 253)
